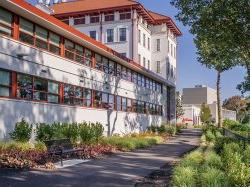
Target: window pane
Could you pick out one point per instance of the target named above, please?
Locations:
(98, 64)
(53, 87)
(4, 78)
(118, 103)
(69, 94)
(119, 71)
(124, 73)
(79, 49)
(88, 57)
(54, 38)
(111, 68)
(122, 34)
(124, 104)
(41, 32)
(110, 35)
(97, 99)
(26, 26)
(104, 100)
(4, 91)
(41, 44)
(40, 84)
(24, 83)
(27, 38)
(53, 98)
(87, 97)
(54, 49)
(129, 105)
(105, 65)
(111, 101)
(5, 17)
(69, 45)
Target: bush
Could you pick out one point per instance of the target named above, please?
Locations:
(70, 131)
(220, 142)
(171, 130)
(40, 146)
(98, 130)
(44, 132)
(22, 131)
(193, 159)
(212, 160)
(229, 123)
(246, 156)
(211, 177)
(85, 132)
(210, 137)
(184, 176)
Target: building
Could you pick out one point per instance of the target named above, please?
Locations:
(202, 94)
(191, 115)
(149, 38)
(50, 72)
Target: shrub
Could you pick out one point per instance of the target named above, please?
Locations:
(193, 159)
(210, 137)
(57, 130)
(212, 160)
(22, 131)
(246, 156)
(229, 123)
(44, 132)
(184, 176)
(85, 132)
(171, 130)
(220, 142)
(70, 131)
(211, 177)
(98, 130)
(153, 128)
(40, 146)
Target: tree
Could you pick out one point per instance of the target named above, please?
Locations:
(205, 113)
(235, 103)
(217, 27)
(179, 108)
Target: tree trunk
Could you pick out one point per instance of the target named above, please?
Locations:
(218, 99)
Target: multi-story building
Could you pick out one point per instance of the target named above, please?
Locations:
(149, 38)
(50, 72)
(203, 94)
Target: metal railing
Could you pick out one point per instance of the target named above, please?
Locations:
(233, 135)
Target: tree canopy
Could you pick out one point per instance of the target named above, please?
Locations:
(205, 113)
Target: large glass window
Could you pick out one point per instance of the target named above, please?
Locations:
(124, 104)
(105, 63)
(41, 37)
(111, 68)
(125, 15)
(134, 77)
(40, 89)
(79, 53)
(119, 71)
(87, 57)
(54, 43)
(124, 73)
(94, 19)
(69, 49)
(5, 82)
(111, 101)
(98, 62)
(129, 105)
(53, 92)
(123, 34)
(97, 99)
(105, 100)
(24, 86)
(26, 31)
(87, 95)
(110, 35)
(109, 17)
(92, 34)
(73, 95)
(6, 19)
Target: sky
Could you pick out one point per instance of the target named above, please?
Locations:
(190, 72)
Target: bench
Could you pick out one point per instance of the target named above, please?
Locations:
(61, 147)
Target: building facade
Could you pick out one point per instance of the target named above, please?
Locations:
(202, 94)
(51, 72)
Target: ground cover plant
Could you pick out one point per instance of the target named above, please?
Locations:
(219, 161)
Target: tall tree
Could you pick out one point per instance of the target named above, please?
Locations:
(221, 30)
(235, 103)
(179, 108)
(205, 113)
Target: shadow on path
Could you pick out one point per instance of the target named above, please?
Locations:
(122, 169)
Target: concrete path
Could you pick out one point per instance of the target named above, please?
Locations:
(122, 169)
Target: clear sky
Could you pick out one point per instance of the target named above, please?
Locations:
(190, 72)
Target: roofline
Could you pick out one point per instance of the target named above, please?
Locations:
(67, 30)
(136, 6)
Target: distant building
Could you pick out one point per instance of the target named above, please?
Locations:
(202, 94)
(191, 115)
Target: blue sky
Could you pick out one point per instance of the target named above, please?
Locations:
(190, 72)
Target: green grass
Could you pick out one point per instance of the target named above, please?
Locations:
(194, 159)
(184, 176)
(131, 143)
(212, 177)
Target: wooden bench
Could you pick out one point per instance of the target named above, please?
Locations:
(61, 147)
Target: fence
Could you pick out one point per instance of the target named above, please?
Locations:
(236, 136)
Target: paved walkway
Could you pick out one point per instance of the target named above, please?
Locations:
(122, 169)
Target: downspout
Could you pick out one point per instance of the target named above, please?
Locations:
(132, 33)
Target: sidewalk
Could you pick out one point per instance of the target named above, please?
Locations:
(122, 169)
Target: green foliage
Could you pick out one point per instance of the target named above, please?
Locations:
(212, 177)
(246, 156)
(44, 132)
(70, 131)
(40, 146)
(164, 128)
(179, 108)
(184, 176)
(90, 132)
(220, 142)
(22, 131)
(193, 159)
(212, 160)
(210, 137)
(205, 113)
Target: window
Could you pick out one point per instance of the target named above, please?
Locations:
(129, 75)
(139, 77)
(148, 64)
(118, 103)
(129, 105)
(123, 34)
(174, 52)
(124, 104)
(41, 37)
(5, 83)
(139, 58)
(158, 68)
(66, 21)
(94, 19)
(144, 40)
(158, 45)
(125, 15)
(123, 54)
(40, 89)
(92, 34)
(73, 95)
(168, 46)
(78, 21)
(26, 31)
(147, 85)
(110, 35)
(105, 63)
(109, 17)
(6, 19)
(111, 70)
(134, 77)
(87, 95)
(118, 70)
(142, 80)
(105, 100)
(54, 43)
(69, 49)
(79, 53)
(144, 61)
(53, 92)
(139, 36)
(124, 73)
(24, 86)
(87, 57)
(111, 103)
(97, 99)
(98, 64)
(148, 43)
